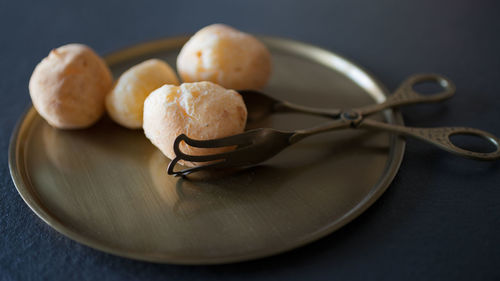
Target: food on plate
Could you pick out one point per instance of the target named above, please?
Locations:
(125, 102)
(201, 110)
(226, 56)
(68, 87)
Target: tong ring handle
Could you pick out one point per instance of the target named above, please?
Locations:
(406, 94)
(441, 137)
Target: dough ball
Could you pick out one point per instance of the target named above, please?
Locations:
(68, 87)
(125, 102)
(226, 56)
(201, 110)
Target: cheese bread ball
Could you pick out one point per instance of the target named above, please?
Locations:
(126, 101)
(68, 87)
(201, 110)
(226, 56)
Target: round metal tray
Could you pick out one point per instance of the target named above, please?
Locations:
(107, 187)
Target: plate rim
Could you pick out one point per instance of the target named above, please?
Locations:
(23, 184)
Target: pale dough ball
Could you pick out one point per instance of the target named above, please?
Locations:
(126, 101)
(68, 87)
(226, 56)
(201, 110)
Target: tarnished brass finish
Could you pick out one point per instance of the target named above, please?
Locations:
(255, 146)
(107, 188)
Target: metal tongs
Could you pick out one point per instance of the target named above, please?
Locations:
(258, 145)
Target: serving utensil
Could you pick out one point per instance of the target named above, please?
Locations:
(258, 145)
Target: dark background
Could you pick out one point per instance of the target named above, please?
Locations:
(440, 218)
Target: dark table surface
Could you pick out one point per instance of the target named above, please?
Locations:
(440, 218)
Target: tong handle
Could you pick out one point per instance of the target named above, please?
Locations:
(440, 137)
(406, 94)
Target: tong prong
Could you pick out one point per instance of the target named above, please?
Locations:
(199, 144)
(219, 158)
(212, 143)
(185, 172)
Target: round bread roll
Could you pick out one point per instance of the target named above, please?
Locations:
(68, 87)
(226, 56)
(125, 102)
(201, 110)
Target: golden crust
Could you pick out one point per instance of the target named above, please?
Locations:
(226, 56)
(201, 110)
(126, 101)
(68, 87)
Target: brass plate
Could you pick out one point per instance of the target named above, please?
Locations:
(106, 186)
